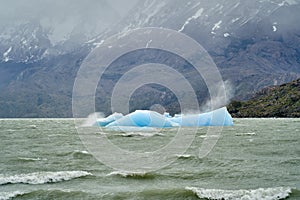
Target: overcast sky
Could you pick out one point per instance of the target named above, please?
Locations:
(16, 9)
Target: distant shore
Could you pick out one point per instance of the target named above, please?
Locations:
(276, 101)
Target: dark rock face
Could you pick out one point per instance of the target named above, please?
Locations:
(254, 44)
(275, 101)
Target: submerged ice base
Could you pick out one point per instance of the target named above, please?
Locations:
(147, 118)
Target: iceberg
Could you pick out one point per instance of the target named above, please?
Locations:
(219, 117)
(148, 118)
(144, 118)
(109, 119)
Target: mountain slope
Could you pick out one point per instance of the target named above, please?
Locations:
(276, 101)
(254, 44)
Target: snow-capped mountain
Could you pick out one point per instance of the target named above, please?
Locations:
(25, 42)
(210, 21)
(55, 30)
(255, 43)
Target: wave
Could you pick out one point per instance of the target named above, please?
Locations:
(10, 195)
(50, 193)
(245, 134)
(261, 193)
(131, 174)
(142, 134)
(32, 126)
(151, 194)
(32, 159)
(209, 136)
(42, 177)
(75, 153)
(184, 156)
(82, 152)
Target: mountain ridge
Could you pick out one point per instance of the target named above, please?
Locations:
(259, 49)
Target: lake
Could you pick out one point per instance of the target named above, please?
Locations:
(254, 159)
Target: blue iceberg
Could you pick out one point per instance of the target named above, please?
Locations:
(143, 118)
(109, 119)
(147, 118)
(219, 117)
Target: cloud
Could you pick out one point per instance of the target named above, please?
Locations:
(65, 17)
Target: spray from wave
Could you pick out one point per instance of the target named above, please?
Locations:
(10, 195)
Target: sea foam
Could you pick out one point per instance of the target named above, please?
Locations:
(127, 174)
(261, 193)
(42, 177)
(10, 195)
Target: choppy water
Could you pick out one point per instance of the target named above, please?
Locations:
(255, 159)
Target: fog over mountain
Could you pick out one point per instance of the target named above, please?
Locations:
(254, 43)
(65, 18)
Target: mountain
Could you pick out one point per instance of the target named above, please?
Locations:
(41, 52)
(53, 29)
(275, 101)
(254, 44)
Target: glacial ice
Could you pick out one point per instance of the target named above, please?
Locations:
(143, 118)
(147, 118)
(109, 119)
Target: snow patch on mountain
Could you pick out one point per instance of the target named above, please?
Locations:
(155, 8)
(195, 16)
(216, 27)
(226, 35)
(5, 54)
(292, 2)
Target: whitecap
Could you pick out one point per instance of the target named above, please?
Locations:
(32, 126)
(32, 159)
(42, 177)
(127, 174)
(10, 195)
(82, 152)
(142, 134)
(209, 136)
(261, 193)
(245, 134)
(183, 156)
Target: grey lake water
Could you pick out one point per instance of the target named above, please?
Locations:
(254, 159)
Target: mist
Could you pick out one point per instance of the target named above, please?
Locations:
(218, 101)
(67, 17)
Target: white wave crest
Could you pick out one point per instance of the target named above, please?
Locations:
(142, 134)
(261, 193)
(127, 174)
(245, 134)
(32, 159)
(183, 156)
(82, 152)
(42, 177)
(10, 195)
